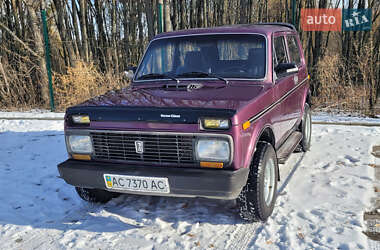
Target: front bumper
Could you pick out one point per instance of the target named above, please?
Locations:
(184, 182)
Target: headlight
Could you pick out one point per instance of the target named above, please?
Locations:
(213, 150)
(212, 123)
(81, 119)
(80, 144)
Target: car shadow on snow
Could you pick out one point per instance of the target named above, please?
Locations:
(38, 198)
(137, 211)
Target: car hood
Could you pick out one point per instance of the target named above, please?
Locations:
(170, 105)
(211, 95)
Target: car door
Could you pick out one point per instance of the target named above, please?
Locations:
(284, 85)
(296, 56)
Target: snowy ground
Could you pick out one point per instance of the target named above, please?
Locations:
(321, 200)
(31, 114)
(342, 118)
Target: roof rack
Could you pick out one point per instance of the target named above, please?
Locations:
(288, 25)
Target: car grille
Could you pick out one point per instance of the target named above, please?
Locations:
(159, 149)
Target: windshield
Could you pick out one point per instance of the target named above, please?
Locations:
(222, 55)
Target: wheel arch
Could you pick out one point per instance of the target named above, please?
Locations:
(266, 135)
(308, 98)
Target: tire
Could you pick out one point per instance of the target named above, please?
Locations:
(254, 202)
(306, 129)
(95, 195)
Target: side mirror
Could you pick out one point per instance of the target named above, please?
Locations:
(282, 68)
(132, 68)
(130, 72)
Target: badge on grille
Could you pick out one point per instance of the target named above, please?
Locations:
(139, 145)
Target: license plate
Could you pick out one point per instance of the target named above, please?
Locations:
(137, 183)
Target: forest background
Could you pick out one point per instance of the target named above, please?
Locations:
(93, 42)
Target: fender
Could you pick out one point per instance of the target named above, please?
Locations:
(306, 96)
(254, 141)
(256, 134)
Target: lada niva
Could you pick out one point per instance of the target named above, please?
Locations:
(209, 113)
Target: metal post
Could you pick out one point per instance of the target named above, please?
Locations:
(294, 12)
(160, 16)
(47, 56)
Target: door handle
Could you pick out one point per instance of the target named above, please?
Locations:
(295, 79)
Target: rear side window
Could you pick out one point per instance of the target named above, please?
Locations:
(294, 50)
(280, 51)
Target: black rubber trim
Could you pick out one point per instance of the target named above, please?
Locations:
(287, 25)
(148, 114)
(209, 183)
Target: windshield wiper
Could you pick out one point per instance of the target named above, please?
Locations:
(202, 74)
(157, 76)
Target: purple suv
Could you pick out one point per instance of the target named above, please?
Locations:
(210, 113)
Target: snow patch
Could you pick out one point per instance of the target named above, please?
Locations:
(322, 195)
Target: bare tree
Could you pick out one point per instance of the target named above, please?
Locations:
(111, 35)
(43, 83)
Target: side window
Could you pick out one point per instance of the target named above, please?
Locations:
(294, 50)
(280, 51)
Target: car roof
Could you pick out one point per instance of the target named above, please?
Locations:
(261, 28)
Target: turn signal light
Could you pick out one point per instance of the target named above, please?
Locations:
(81, 157)
(246, 125)
(206, 164)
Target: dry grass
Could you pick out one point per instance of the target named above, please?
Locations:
(19, 91)
(347, 85)
(17, 86)
(335, 93)
(81, 83)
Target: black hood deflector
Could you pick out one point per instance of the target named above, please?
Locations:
(148, 114)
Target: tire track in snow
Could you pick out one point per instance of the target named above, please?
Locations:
(243, 234)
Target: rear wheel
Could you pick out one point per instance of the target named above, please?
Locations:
(95, 195)
(306, 129)
(257, 198)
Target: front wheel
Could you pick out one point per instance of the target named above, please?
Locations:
(95, 195)
(257, 198)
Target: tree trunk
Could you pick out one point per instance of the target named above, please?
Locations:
(347, 36)
(183, 12)
(66, 41)
(149, 18)
(83, 9)
(114, 37)
(126, 35)
(243, 11)
(141, 32)
(168, 23)
(16, 18)
(102, 36)
(74, 16)
(225, 12)
(43, 83)
(132, 29)
(192, 13)
(2, 72)
(174, 15)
